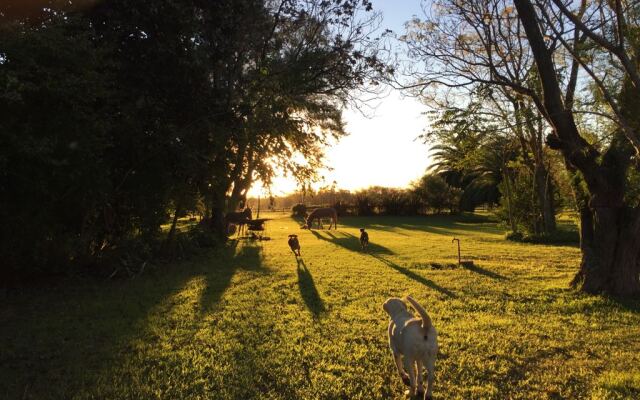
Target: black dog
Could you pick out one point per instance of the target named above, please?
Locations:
(294, 244)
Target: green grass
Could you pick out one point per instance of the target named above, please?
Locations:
(249, 322)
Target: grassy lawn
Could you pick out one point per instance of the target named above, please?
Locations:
(249, 322)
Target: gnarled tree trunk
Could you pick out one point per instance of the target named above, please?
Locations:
(610, 251)
(610, 229)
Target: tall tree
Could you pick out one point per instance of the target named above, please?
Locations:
(118, 116)
(543, 52)
(610, 223)
(476, 49)
(468, 153)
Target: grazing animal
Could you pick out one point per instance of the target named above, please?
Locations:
(239, 218)
(320, 213)
(294, 244)
(414, 344)
(364, 239)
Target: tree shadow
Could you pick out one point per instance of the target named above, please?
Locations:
(387, 228)
(73, 332)
(372, 223)
(437, 224)
(482, 271)
(625, 303)
(308, 290)
(241, 255)
(351, 242)
(70, 338)
(254, 360)
(299, 219)
(418, 278)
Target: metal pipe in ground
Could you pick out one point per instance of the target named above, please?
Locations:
(457, 240)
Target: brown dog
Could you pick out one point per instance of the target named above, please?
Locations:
(364, 239)
(294, 244)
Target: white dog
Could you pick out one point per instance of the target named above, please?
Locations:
(414, 341)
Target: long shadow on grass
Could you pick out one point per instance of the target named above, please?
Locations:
(350, 242)
(299, 219)
(416, 277)
(308, 290)
(255, 351)
(245, 255)
(628, 304)
(437, 224)
(482, 271)
(60, 340)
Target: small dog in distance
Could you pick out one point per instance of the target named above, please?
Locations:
(364, 239)
(294, 245)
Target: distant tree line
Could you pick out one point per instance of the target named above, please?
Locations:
(117, 117)
(429, 195)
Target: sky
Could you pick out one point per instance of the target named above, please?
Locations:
(382, 147)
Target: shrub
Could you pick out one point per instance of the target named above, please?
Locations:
(299, 210)
(436, 193)
(514, 236)
(560, 236)
(202, 236)
(399, 202)
(364, 205)
(341, 208)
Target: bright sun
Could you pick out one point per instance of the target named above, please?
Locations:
(381, 150)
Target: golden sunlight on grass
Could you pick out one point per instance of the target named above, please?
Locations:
(251, 322)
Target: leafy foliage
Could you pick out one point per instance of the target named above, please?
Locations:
(117, 115)
(436, 194)
(299, 210)
(470, 154)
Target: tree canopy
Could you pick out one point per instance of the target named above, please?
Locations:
(556, 70)
(116, 114)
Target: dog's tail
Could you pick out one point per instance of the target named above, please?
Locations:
(426, 320)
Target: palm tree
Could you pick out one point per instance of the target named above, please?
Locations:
(466, 156)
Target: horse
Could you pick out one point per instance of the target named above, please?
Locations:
(320, 213)
(238, 218)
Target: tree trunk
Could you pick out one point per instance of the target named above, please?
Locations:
(626, 273)
(218, 223)
(610, 245)
(544, 193)
(586, 228)
(233, 203)
(167, 247)
(238, 194)
(242, 179)
(507, 184)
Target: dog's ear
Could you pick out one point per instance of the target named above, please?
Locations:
(393, 306)
(385, 306)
